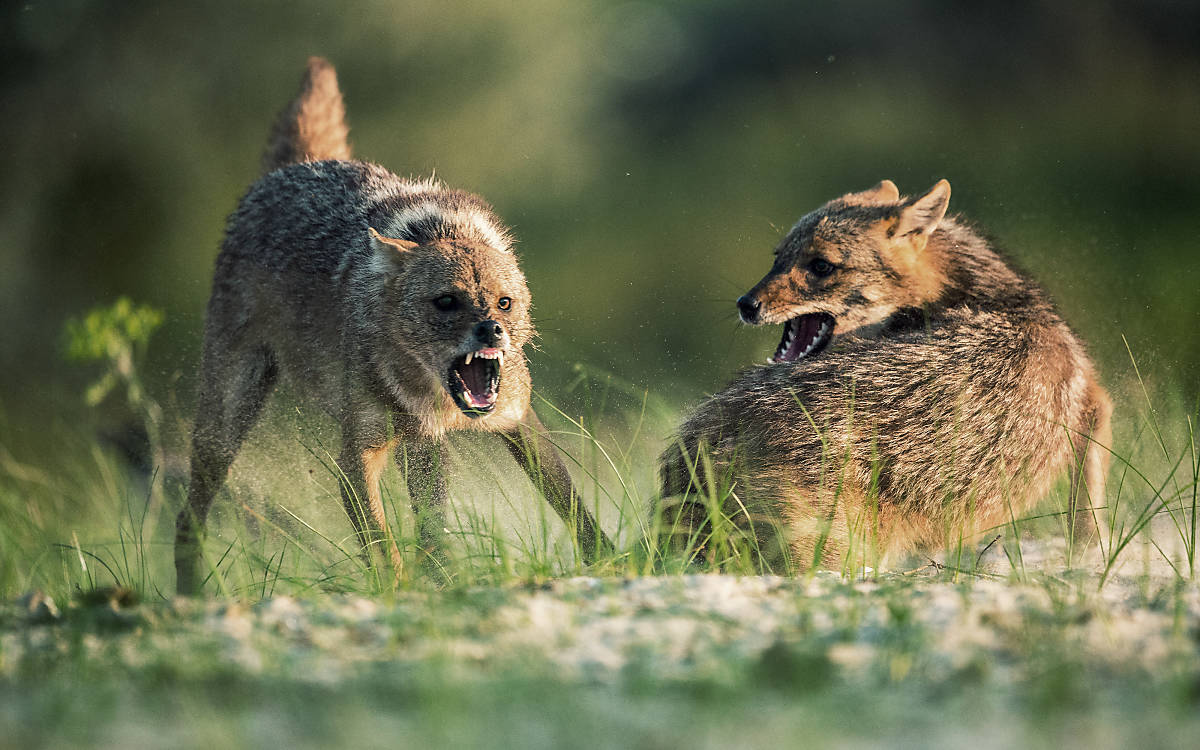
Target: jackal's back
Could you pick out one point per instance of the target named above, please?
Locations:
(937, 432)
(960, 406)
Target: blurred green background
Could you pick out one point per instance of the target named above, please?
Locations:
(648, 156)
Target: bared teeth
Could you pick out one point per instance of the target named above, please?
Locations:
(495, 354)
(477, 390)
(788, 351)
(817, 339)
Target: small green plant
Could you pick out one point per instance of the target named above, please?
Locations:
(117, 336)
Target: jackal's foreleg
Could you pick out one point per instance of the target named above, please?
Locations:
(424, 464)
(361, 467)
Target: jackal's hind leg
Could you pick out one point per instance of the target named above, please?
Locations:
(542, 463)
(1089, 469)
(234, 385)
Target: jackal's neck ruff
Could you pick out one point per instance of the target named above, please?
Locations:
(977, 276)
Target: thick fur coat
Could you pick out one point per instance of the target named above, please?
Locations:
(923, 392)
(396, 305)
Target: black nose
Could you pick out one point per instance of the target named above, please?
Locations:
(489, 333)
(748, 308)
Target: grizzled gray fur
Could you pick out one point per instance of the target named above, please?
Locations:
(396, 305)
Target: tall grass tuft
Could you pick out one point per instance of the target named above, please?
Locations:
(82, 518)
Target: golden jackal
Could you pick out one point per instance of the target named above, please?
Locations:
(385, 301)
(922, 390)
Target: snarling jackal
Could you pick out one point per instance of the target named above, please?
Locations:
(396, 305)
(922, 392)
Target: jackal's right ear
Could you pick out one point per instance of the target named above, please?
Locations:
(885, 192)
(383, 244)
(922, 216)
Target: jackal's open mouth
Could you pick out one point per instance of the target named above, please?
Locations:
(804, 336)
(474, 381)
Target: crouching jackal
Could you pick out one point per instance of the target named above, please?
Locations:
(396, 305)
(922, 390)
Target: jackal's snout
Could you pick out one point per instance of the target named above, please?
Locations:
(490, 333)
(748, 308)
(803, 335)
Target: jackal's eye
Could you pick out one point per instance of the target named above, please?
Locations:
(446, 302)
(820, 267)
(504, 303)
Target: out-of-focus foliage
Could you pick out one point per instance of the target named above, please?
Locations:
(113, 332)
(116, 335)
(647, 154)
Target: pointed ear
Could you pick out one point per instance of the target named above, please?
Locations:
(389, 244)
(884, 192)
(923, 215)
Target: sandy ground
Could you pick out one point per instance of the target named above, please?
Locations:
(1048, 641)
(673, 627)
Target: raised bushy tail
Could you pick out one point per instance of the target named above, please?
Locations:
(313, 127)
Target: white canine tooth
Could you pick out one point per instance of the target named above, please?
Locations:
(500, 358)
(470, 356)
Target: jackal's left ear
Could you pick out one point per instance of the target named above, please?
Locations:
(383, 244)
(922, 216)
(885, 192)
